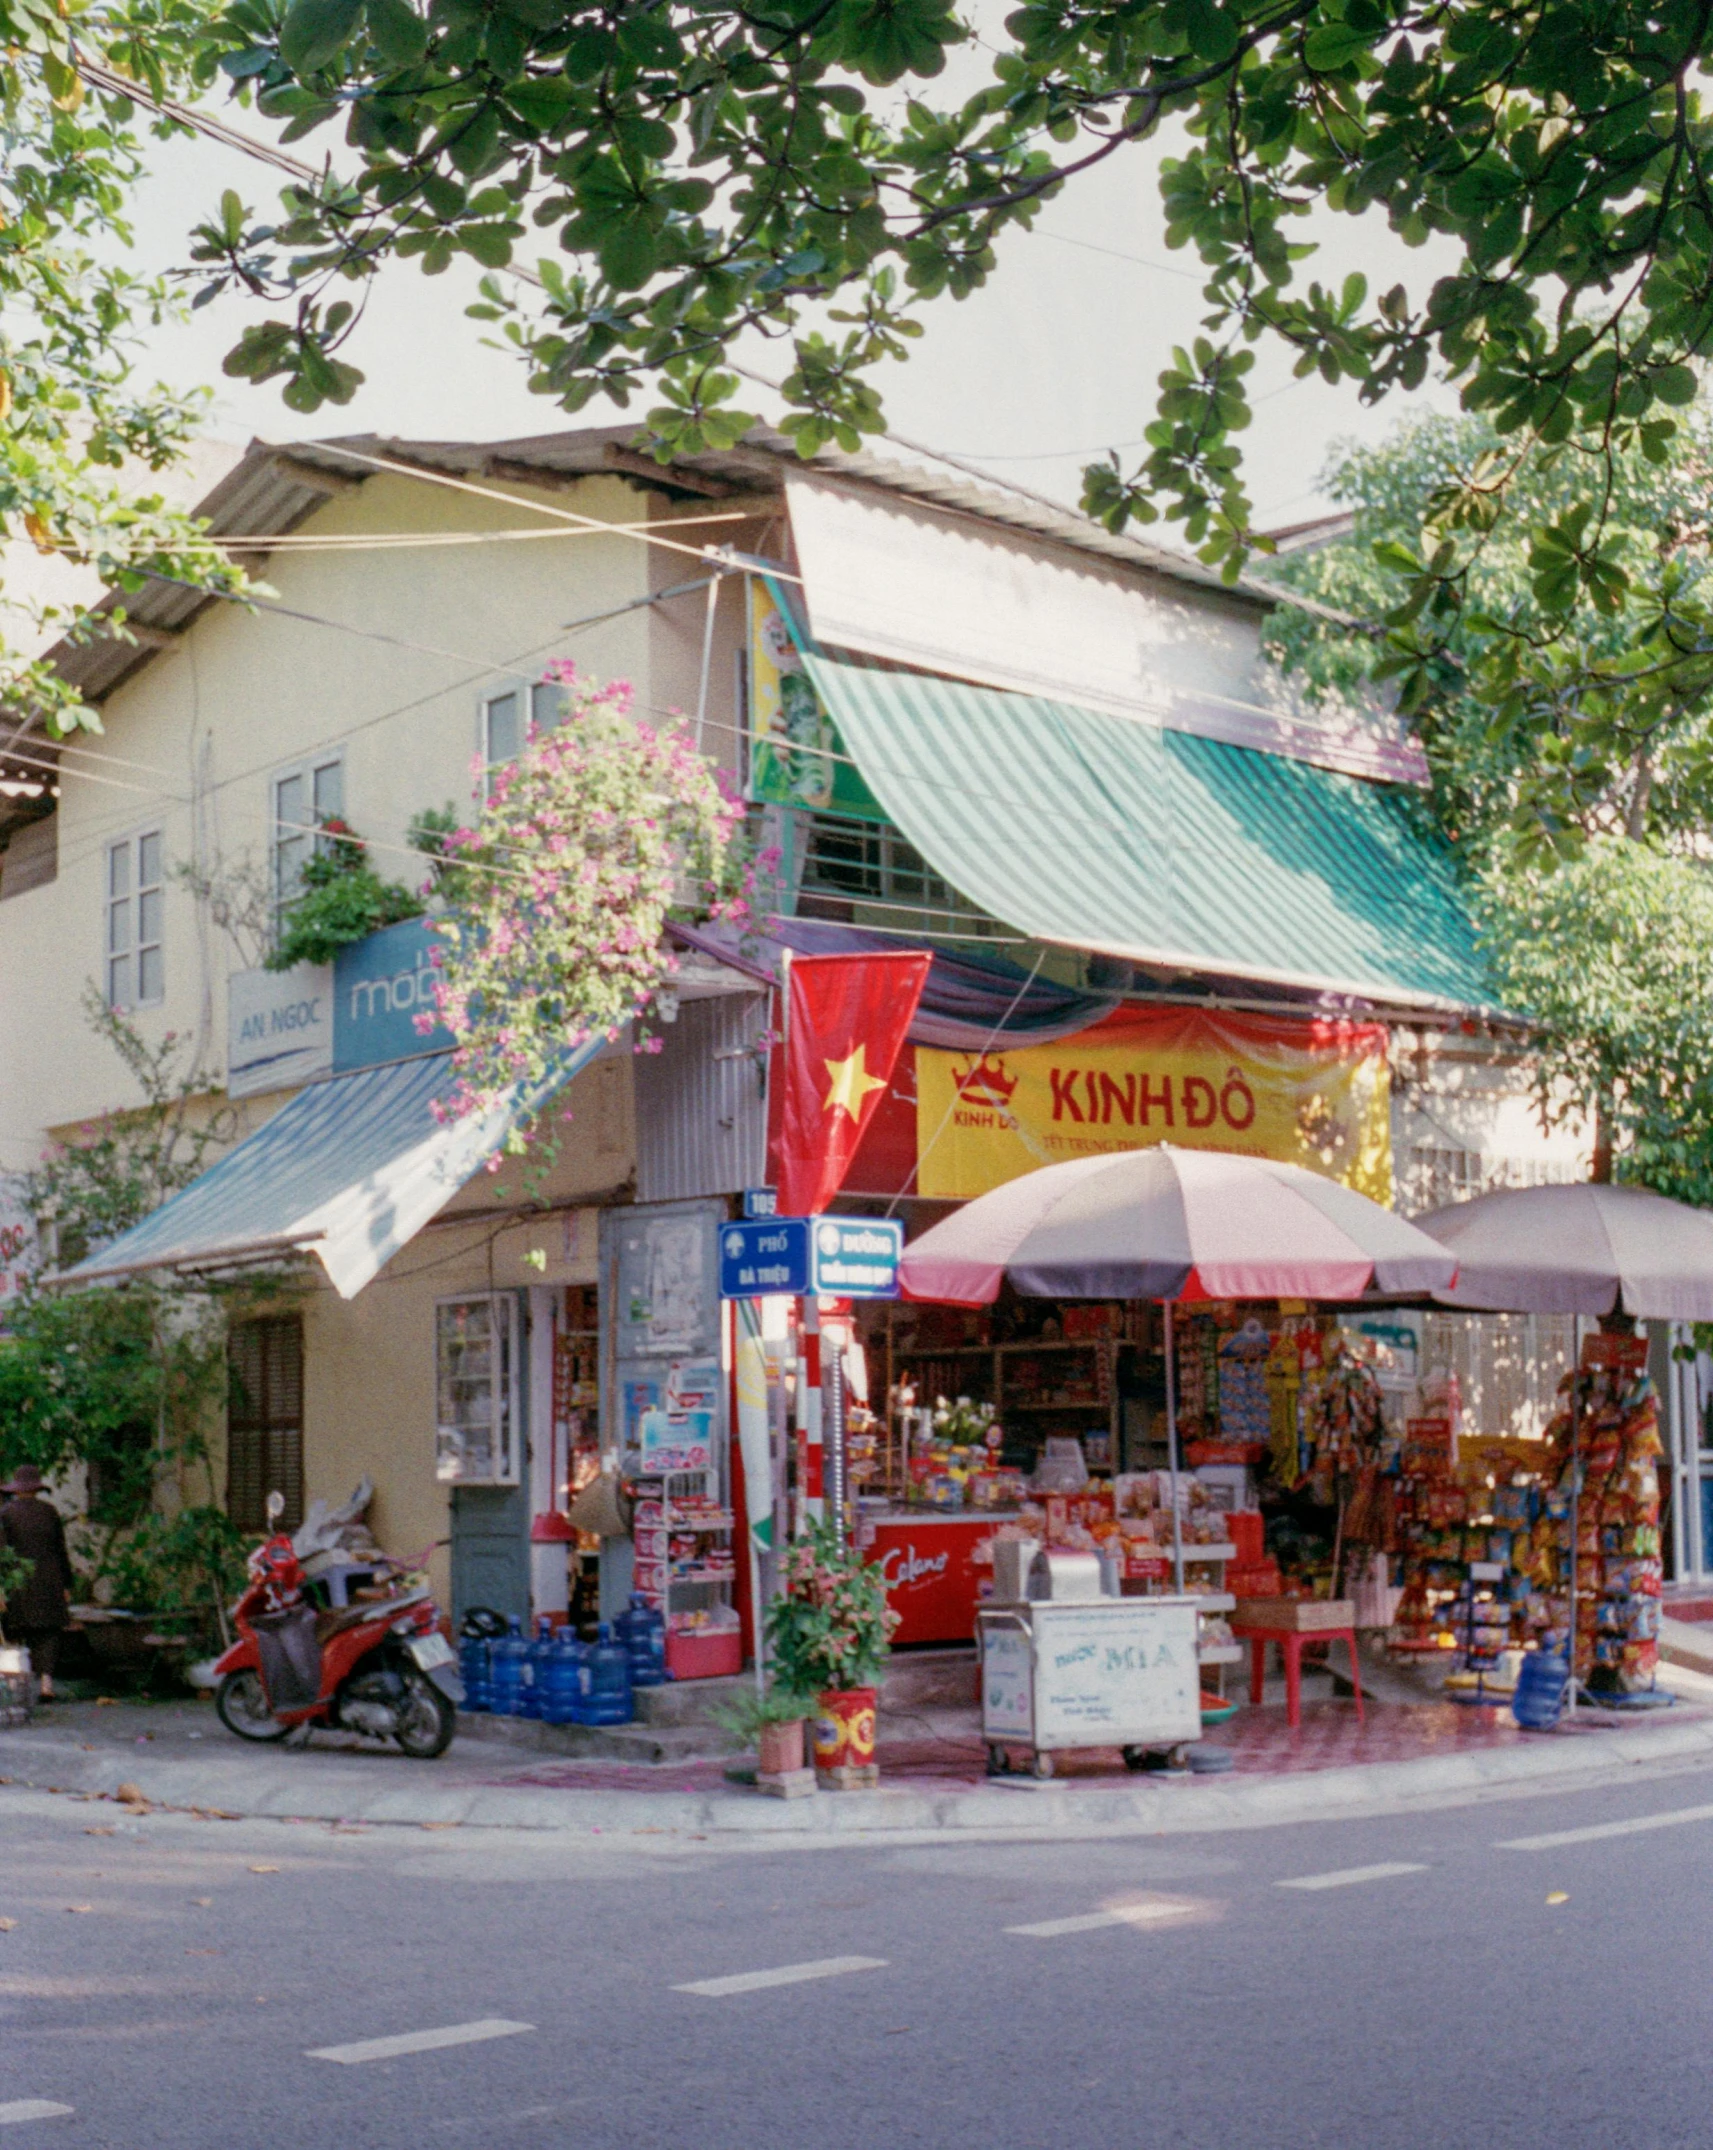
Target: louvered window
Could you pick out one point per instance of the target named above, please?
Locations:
(264, 1420)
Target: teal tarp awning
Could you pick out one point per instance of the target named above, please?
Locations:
(1106, 833)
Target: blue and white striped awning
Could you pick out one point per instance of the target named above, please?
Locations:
(349, 1170)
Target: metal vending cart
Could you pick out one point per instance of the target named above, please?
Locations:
(1062, 1673)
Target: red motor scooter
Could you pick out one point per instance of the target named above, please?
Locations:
(382, 1667)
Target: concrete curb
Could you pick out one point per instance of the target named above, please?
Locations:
(318, 1788)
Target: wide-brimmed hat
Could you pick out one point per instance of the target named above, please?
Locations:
(25, 1479)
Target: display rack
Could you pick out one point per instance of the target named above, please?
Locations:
(700, 1576)
(945, 1370)
(1479, 1658)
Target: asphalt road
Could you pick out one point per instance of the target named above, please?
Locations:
(1393, 1983)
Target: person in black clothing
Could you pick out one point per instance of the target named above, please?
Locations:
(38, 1611)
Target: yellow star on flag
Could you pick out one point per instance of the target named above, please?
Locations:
(851, 1083)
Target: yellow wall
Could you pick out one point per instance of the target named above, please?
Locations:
(192, 742)
(369, 1361)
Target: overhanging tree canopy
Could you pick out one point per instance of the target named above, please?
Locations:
(73, 410)
(700, 170)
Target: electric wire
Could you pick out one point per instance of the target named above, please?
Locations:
(228, 137)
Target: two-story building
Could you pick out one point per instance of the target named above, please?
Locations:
(1057, 756)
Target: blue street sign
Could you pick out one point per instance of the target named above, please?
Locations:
(764, 1255)
(761, 1201)
(857, 1257)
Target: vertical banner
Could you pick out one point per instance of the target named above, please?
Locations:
(750, 1365)
(796, 757)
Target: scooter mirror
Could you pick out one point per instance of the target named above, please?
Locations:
(276, 1508)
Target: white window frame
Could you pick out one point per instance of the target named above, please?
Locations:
(545, 699)
(306, 772)
(459, 1460)
(126, 913)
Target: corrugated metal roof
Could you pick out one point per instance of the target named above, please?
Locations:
(278, 486)
(1110, 834)
(349, 1170)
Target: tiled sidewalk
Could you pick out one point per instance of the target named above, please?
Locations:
(1263, 1743)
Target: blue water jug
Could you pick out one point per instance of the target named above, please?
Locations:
(1539, 1700)
(604, 1687)
(473, 1664)
(642, 1630)
(508, 1662)
(561, 1679)
(535, 1667)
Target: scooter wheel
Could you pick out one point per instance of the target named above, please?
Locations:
(426, 1720)
(242, 1704)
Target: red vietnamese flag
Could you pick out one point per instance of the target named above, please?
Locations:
(846, 1020)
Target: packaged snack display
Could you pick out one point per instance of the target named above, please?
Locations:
(1619, 1567)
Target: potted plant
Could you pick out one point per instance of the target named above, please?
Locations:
(827, 1636)
(774, 1721)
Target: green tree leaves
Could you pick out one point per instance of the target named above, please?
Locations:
(315, 32)
(693, 157)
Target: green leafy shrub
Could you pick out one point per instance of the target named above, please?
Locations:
(831, 1628)
(191, 1562)
(343, 901)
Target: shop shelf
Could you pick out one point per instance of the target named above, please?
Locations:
(1220, 1602)
(1208, 1552)
(1221, 1653)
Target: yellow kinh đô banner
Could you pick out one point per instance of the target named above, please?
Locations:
(1310, 1093)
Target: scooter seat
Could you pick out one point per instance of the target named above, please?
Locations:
(329, 1624)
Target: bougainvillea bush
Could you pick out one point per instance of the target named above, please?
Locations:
(583, 847)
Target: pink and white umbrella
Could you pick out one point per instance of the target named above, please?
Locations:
(1166, 1223)
(1173, 1224)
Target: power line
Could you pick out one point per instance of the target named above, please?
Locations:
(228, 137)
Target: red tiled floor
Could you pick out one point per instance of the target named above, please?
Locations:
(1263, 1743)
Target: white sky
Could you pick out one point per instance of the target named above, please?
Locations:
(1049, 366)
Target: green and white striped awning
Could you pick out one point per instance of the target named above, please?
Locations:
(1107, 833)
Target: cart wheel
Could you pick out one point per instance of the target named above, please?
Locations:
(1178, 1759)
(998, 1762)
(1043, 1765)
(1135, 1757)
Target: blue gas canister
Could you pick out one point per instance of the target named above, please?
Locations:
(509, 1665)
(605, 1686)
(642, 1630)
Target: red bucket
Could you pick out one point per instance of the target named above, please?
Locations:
(844, 1728)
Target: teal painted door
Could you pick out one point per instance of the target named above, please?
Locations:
(490, 1550)
(490, 1524)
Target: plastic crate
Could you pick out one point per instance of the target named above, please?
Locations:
(704, 1655)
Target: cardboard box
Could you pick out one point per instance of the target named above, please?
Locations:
(1302, 1616)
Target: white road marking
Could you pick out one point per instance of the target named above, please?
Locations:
(419, 2041)
(1348, 1876)
(788, 1974)
(1600, 1829)
(1087, 1921)
(32, 2109)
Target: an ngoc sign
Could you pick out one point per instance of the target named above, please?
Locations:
(279, 1028)
(380, 986)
